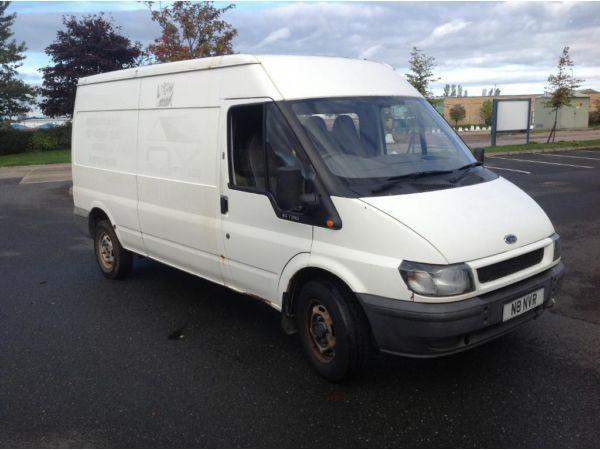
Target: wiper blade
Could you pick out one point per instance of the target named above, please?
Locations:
(393, 181)
(467, 168)
(419, 174)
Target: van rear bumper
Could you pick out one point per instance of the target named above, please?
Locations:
(437, 329)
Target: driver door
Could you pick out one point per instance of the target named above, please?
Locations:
(257, 242)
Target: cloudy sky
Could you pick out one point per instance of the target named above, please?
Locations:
(512, 45)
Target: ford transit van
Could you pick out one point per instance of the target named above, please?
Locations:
(327, 187)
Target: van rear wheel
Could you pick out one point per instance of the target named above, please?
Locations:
(333, 329)
(114, 261)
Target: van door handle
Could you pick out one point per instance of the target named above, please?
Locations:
(224, 204)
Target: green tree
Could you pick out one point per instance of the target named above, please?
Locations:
(561, 87)
(86, 46)
(446, 90)
(457, 113)
(16, 96)
(421, 72)
(191, 30)
(486, 112)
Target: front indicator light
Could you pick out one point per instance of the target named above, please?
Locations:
(557, 250)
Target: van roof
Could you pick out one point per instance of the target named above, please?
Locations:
(188, 65)
(293, 76)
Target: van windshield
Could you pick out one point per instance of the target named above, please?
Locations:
(371, 139)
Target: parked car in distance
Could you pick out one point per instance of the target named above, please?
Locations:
(327, 187)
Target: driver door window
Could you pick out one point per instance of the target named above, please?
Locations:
(247, 149)
(265, 156)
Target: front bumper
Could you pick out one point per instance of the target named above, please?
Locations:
(437, 329)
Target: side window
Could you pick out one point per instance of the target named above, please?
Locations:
(247, 150)
(290, 174)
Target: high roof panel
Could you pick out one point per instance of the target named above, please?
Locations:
(294, 77)
(316, 76)
(173, 67)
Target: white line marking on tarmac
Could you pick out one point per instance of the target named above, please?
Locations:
(58, 180)
(541, 162)
(510, 170)
(569, 156)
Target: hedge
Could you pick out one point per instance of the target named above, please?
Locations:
(35, 140)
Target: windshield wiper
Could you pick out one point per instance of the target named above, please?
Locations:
(467, 168)
(392, 181)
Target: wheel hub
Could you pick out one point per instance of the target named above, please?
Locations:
(105, 251)
(320, 328)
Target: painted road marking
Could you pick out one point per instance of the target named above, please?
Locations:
(57, 180)
(510, 170)
(541, 162)
(570, 156)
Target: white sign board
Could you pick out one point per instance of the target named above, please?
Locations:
(512, 115)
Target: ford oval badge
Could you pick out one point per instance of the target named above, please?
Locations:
(510, 239)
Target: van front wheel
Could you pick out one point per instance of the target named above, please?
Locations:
(114, 261)
(333, 329)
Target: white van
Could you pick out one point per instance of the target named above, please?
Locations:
(326, 187)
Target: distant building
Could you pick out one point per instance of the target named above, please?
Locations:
(473, 107)
(474, 104)
(569, 117)
(594, 98)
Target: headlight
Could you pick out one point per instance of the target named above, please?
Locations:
(556, 238)
(436, 280)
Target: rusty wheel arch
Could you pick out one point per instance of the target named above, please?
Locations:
(301, 277)
(96, 216)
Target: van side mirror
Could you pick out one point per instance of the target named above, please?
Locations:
(479, 154)
(289, 182)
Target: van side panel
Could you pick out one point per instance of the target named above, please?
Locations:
(104, 155)
(177, 171)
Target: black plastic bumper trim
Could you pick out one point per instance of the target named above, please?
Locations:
(436, 329)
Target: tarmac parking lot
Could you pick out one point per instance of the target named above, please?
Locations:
(88, 362)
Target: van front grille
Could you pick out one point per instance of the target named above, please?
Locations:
(509, 266)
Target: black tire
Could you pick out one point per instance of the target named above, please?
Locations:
(114, 261)
(323, 301)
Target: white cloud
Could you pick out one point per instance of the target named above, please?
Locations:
(442, 31)
(448, 28)
(277, 35)
(514, 45)
(370, 52)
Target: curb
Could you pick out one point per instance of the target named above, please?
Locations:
(541, 150)
(33, 166)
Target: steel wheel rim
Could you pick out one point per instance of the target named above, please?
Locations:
(321, 332)
(106, 255)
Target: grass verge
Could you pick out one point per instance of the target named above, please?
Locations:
(28, 159)
(532, 146)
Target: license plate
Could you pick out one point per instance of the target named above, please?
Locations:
(522, 304)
